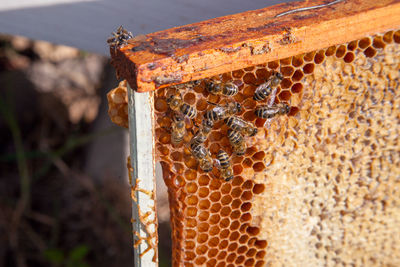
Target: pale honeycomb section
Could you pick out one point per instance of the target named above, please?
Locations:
(332, 196)
(118, 105)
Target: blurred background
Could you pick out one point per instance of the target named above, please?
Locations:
(64, 193)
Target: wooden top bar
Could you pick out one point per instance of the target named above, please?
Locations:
(215, 46)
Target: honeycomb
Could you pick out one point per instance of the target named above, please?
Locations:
(316, 187)
(118, 105)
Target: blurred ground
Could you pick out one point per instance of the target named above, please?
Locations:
(64, 197)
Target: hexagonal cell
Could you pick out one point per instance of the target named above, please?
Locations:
(238, 74)
(190, 233)
(231, 257)
(249, 78)
(239, 260)
(160, 105)
(200, 260)
(214, 219)
(237, 169)
(203, 180)
(352, 46)
(213, 242)
(258, 188)
(191, 211)
(243, 239)
(216, 207)
(285, 83)
(309, 56)
(319, 57)
(190, 245)
(388, 37)
(235, 214)
(214, 230)
(370, 52)
(203, 227)
(297, 61)
(190, 255)
(273, 65)
(297, 76)
(261, 254)
(285, 95)
(258, 166)
(378, 43)
(225, 200)
(234, 225)
(190, 174)
(251, 252)
(191, 188)
(204, 204)
(245, 217)
(226, 188)
(223, 244)
(224, 223)
(261, 244)
(236, 203)
(222, 255)
(364, 43)
(262, 74)
(287, 71)
(349, 57)
(285, 61)
(232, 247)
(340, 51)
(201, 105)
(192, 200)
(203, 216)
(225, 211)
(203, 191)
(308, 68)
(215, 196)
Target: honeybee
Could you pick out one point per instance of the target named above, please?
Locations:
(265, 89)
(267, 112)
(119, 38)
(219, 112)
(178, 129)
(203, 156)
(244, 127)
(225, 165)
(237, 142)
(220, 88)
(201, 135)
(176, 104)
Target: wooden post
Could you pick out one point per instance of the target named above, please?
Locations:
(143, 178)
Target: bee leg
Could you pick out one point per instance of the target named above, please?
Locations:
(195, 124)
(217, 164)
(211, 103)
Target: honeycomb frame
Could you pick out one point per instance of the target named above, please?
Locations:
(217, 223)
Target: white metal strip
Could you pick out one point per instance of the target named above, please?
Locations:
(143, 178)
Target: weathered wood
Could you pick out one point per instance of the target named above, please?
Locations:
(237, 41)
(144, 219)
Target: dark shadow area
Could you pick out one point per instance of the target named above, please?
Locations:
(53, 211)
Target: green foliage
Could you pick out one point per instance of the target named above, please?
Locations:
(74, 258)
